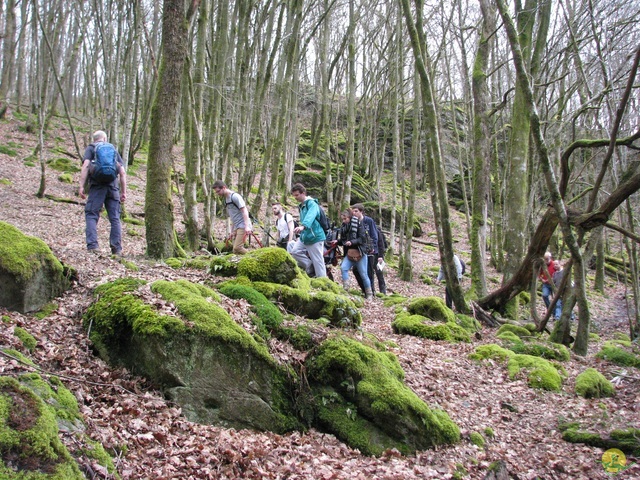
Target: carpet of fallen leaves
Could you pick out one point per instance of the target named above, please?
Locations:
(151, 439)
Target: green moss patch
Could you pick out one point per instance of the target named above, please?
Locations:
(627, 440)
(271, 264)
(367, 405)
(619, 355)
(26, 338)
(338, 309)
(420, 326)
(22, 255)
(29, 436)
(433, 308)
(197, 263)
(224, 265)
(521, 332)
(592, 384)
(540, 373)
(64, 165)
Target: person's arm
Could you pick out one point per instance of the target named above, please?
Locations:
(290, 226)
(248, 227)
(84, 174)
(456, 260)
(374, 235)
(123, 182)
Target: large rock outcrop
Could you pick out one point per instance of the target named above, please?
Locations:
(181, 339)
(195, 353)
(30, 274)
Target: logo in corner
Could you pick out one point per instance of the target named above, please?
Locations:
(614, 461)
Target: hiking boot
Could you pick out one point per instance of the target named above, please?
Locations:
(368, 294)
(93, 251)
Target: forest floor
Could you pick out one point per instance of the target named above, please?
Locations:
(121, 409)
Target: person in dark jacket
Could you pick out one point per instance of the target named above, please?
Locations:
(352, 238)
(370, 245)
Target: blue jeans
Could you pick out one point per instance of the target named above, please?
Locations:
(109, 196)
(546, 293)
(558, 311)
(361, 265)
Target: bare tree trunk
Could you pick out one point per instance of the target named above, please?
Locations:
(161, 238)
(435, 162)
(481, 151)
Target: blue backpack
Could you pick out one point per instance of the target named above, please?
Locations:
(104, 166)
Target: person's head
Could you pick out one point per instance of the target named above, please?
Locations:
(219, 187)
(99, 136)
(345, 216)
(557, 266)
(276, 208)
(299, 192)
(358, 210)
(548, 257)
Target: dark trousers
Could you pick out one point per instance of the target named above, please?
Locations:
(373, 272)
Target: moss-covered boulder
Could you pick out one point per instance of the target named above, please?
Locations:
(194, 352)
(540, 373)
(340, 310)
(30, 274)
(268, 318)
(225, 265)
(619, 354)
(592, 384)
(270, 264)
(420, 326)
(433, 308)
(29, 442)
(359, 395)
(517, 330)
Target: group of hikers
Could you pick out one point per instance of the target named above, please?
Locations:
(551, 275)
(306, 239)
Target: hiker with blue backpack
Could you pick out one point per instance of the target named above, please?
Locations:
(103, 168)
(308, 250)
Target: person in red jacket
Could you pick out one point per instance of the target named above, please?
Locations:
(547, 280)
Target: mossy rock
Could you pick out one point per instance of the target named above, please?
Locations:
(29, 442)
(360, 397)
(433, 308)
(420, 326)
(199, 356)
(619, 355)
(269, 264)
(225, 265)
(196, 263)
(477, 439)
(517, 330)
(470, 324)
(30, 274)
(548, 350)
(26, 338)
(592, 384)
(540, 373)
(626, 440)
(340, 310)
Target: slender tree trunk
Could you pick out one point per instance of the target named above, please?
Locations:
(161, 238)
